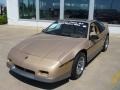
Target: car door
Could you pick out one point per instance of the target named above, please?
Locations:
(95, 45)
(102, 32)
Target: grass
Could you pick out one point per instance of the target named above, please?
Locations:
(3, 19)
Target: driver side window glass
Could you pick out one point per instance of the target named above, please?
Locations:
(100, 26)
(94, 29)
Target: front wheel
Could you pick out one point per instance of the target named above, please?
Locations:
(78, 66)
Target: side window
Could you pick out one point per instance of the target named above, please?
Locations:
(94, 29)
(100, 26)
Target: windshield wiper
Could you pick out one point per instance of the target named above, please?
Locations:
(53, 33)
(44, 31)
(75, 36)
(65, 34)
(70, 35)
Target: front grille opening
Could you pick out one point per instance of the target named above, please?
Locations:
(26, 70)
(44, 73)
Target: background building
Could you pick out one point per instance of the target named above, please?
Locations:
(43, 12)
(2, 10)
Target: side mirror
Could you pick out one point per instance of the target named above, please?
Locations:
(94, 37)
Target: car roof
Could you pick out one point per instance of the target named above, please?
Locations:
(76, 21)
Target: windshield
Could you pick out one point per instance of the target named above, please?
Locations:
(76, 30)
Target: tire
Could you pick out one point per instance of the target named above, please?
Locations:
(78, 66)
(106, 44)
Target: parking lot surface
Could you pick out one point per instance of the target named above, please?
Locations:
(103, 73)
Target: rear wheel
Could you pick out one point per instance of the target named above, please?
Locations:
(78, 66)
(106, 43)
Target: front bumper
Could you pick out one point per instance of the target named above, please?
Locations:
(32, 76)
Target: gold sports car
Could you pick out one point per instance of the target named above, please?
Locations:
(60, 51)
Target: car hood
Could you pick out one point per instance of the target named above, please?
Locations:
(48, 46)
